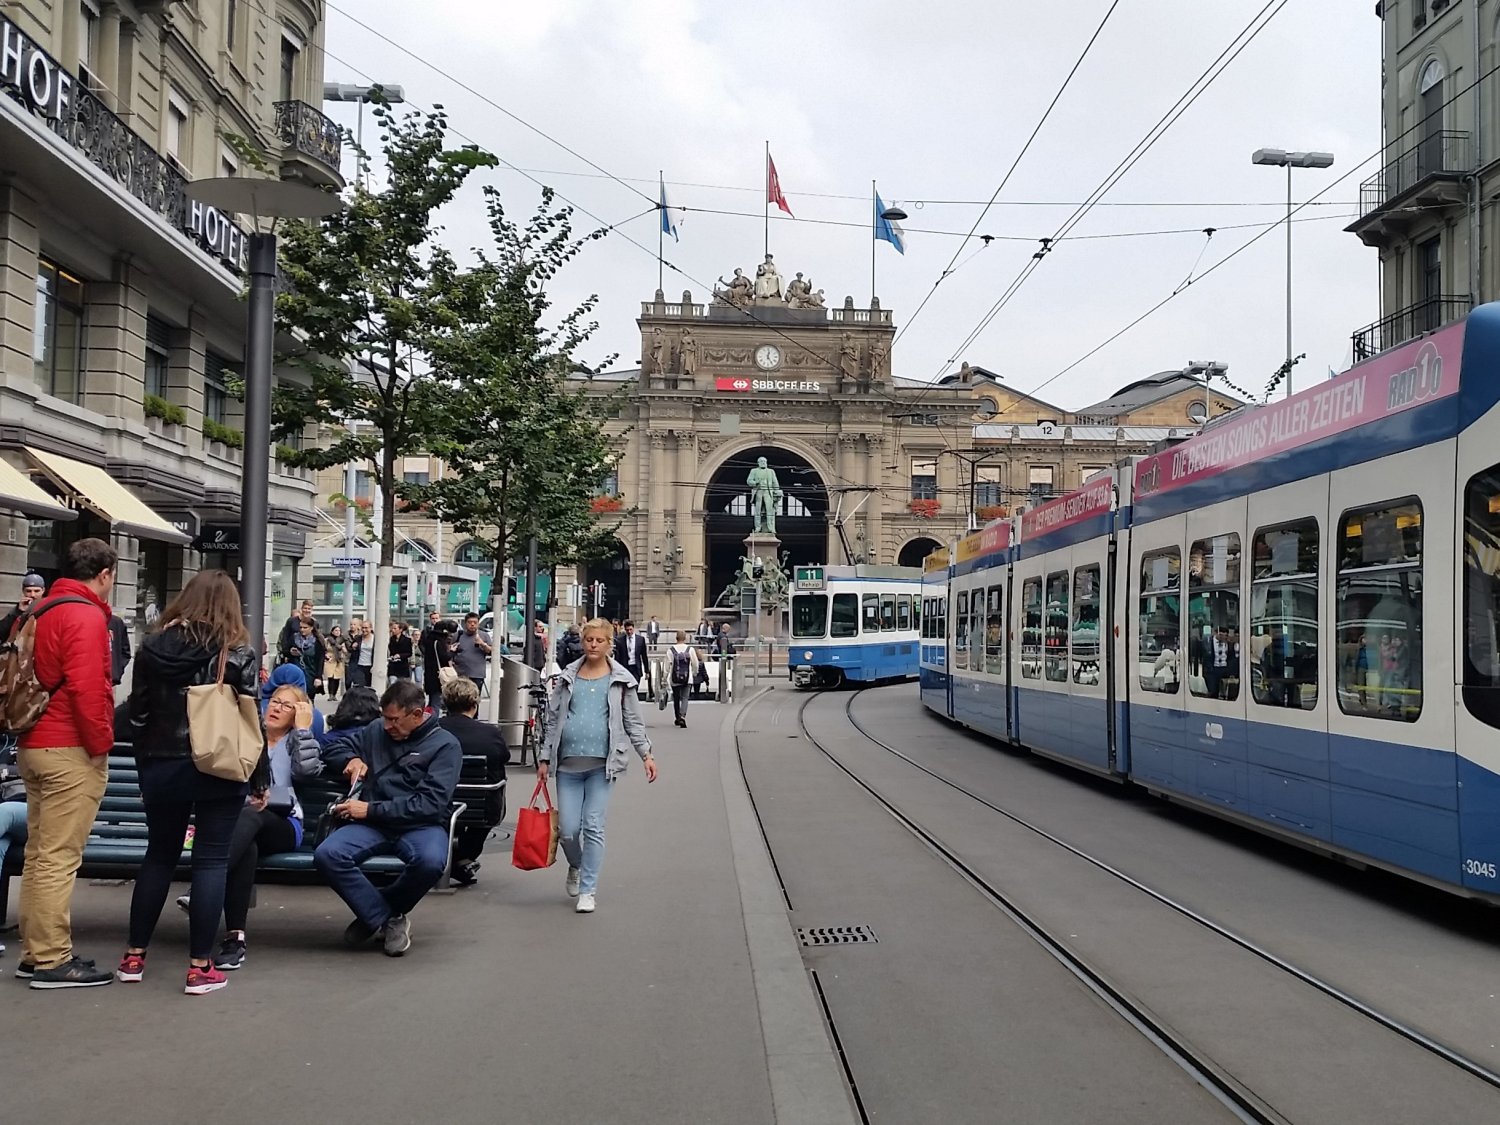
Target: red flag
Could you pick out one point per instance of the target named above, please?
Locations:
(773, 187)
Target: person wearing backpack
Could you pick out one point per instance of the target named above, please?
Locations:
(682, 673)
(64, 755)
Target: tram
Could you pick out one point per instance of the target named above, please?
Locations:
(855, 624)
(1241, 622)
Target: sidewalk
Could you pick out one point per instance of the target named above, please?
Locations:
(683, 999)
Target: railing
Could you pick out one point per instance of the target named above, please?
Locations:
(310, 133)
(1409, 323)
(1435, 154)
(672, 309)
(862, 316)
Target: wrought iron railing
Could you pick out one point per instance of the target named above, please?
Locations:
(1435, 154)
(310, 133)
(1407, 324)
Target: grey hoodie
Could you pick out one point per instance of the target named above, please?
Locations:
(627, 730)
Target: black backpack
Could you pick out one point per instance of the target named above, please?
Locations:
(682, 666)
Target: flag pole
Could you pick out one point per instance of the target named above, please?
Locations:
(873, 228)
(661, 221)
(767, 204)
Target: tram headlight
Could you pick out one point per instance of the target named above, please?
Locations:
(807, 655)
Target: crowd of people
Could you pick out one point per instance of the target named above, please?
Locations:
(398, 756)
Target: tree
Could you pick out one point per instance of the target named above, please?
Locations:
(360, 299)
(524, 448)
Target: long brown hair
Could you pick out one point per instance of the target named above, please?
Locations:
(208, 609)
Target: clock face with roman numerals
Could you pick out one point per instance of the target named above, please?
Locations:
(768, 357)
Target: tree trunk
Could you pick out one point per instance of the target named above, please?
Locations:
(381, 615)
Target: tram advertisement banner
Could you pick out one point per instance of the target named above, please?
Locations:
(996, 537)
(1421, 372)
(1095, 497)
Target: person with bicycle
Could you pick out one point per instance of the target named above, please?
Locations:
(593, 721)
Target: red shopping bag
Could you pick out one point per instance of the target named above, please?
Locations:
(536, 833)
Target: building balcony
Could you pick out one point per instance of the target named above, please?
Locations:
(312, 145)
(1417, 185)
(1408, 324)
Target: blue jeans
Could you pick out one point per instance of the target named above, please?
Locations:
(424, 851)
(12, 826)
(582, 801)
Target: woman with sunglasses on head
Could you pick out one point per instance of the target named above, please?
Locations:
(201, 632)
(593, 723)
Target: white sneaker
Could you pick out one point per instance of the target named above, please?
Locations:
(571, 886)
(585, 904)
(184, 903)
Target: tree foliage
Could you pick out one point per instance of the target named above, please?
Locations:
(524, 448)
(361, 299)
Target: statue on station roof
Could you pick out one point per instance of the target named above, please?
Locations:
(738, 292)
(767, 281)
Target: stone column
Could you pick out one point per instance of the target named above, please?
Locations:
(20, 244)
(109, 55)
(114, 373)
(850, 471)
(687, 597)
(875, 471)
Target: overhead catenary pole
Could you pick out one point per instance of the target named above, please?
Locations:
(259, 346)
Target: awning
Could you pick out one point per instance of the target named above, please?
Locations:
(20, 495)
(92, 487)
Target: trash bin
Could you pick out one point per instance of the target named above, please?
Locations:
(515, 702)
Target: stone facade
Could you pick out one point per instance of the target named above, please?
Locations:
(115, 291)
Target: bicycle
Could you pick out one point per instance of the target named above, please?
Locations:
(534, 733)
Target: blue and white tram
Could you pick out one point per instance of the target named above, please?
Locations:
(1244, 622)
(862, 626)
(933, 656)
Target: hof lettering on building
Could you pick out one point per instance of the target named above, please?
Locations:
(33, 79)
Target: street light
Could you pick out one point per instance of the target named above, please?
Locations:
(1208, 370)
(671, 558)
(344, 92)
(1280, 158)
(259, 199)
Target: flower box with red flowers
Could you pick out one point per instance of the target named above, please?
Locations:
(601, 504)
(925, 509)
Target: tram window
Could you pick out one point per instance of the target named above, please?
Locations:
(903, 612)
(845, 621)
(1214, 617)
(1379, 611)
(1085, 630)
(810, 615)
(976, 631)
(1284, 615)
(888, 612)
(922, 628)
(1160, 622)
(1481, 668)
(871, 621)
(1031, 629)
(1057, 627)
(942, 619)
(961, 630)
(994, 631)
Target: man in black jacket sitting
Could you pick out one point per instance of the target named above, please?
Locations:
(476, 739)
(408, 767)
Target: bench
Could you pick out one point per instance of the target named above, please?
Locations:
(117, 842)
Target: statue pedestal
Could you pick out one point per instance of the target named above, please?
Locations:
(766, 546)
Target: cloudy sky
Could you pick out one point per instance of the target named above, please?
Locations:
(932, 101)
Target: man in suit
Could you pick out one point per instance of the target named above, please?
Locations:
(653, 631)
(630, 650)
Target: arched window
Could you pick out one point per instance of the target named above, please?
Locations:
(1430, 155)
(418, 547)
(1432, 75)
(472, 553)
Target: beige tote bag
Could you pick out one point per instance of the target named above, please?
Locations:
(224, 729)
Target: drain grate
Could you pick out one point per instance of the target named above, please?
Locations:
(835, 935)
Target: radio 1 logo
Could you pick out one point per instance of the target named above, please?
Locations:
(1423, 379)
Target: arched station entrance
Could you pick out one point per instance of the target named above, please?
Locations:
(614, 571)
(801, 524)
(916, 552)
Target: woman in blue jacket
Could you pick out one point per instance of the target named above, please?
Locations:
(593, 722)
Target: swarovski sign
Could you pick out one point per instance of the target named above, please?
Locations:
(33, 78)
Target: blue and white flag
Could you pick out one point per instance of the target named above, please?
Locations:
(888, 229)
(671, 217)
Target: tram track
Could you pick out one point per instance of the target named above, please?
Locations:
(1244, 1103)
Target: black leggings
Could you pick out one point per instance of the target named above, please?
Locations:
(166, 825)
(255, 834)
(332, 684)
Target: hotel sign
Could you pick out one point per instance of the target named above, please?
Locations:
(743, 384)
(34, 79)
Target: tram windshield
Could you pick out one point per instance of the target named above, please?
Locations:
(1481, 624)
(809, 615)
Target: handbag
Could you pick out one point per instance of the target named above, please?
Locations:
(446, 675)
(280, 800)
(329, 823)
(224, 728)
(536, 833)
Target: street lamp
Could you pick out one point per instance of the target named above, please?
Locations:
(1280, 158)
(671, 558)
(1208, 370)
(344, 92)
(259, 199)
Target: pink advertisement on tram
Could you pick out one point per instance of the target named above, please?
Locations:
(1421, 372)
(1093, 498)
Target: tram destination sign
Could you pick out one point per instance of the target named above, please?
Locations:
(1390, 384)
(810, 578)
(743, 384)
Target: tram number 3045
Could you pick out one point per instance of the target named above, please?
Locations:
(1479, 867)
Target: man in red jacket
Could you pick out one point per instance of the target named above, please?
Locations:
(64, 761)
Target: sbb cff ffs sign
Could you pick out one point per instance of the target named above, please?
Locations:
(743, 384)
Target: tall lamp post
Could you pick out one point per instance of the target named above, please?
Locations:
(344, 92)
(259, 199)
(1280, 158)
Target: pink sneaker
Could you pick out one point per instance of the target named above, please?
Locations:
(132, 968)
(204, 980)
